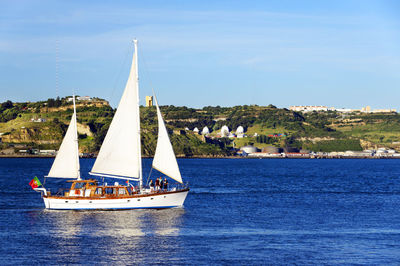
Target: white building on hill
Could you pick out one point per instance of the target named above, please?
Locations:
(205, 131)
(240, 132)
(224, 131)
(309, 108)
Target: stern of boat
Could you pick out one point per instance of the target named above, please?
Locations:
(46, 203)
(44, 193)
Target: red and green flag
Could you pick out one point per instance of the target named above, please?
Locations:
(35, 183)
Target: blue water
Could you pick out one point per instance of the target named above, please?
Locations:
(238, 211)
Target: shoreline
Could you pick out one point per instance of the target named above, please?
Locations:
(219, 157)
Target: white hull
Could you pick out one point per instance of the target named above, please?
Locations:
(155, 201)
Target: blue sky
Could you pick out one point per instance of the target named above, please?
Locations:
(200, 53)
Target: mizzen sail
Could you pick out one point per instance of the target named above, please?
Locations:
(164, 158)
(66, 163)
(119, 154)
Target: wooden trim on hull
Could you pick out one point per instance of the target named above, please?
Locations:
(115, 209)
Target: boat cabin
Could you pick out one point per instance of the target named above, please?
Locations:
(91, 188)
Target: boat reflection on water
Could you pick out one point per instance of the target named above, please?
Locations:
(127, 237)
(168, 222)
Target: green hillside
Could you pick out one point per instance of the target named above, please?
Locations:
(41, 125)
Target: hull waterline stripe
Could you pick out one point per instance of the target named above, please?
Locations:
(122, 208)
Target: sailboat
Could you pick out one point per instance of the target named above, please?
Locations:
(120, 158)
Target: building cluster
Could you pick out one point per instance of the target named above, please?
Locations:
(367, 109)
(81, 98)
(274, 152)
(306, 109)
(380, 152)
(50, 153)
(224, 132)
(38, 120)
(39, 152)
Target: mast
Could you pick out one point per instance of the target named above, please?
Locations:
(76, 140)
(138, 116)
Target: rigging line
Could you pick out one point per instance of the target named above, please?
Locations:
(147, 75)
(118, 76)
(148, 177)
(57, 66)
(146, 68)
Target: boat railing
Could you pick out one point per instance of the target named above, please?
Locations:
(181, 186)
(173, 187)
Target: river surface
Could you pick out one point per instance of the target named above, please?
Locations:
(239, 211)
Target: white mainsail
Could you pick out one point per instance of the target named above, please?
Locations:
(66, 163)
(120, 153)
(164, 158)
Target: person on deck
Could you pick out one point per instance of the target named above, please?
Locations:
(165, 184)
(151, 184)
(161, 184)
(157, 184)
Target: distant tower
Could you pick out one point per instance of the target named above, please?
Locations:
(149, 101)
(368, 109)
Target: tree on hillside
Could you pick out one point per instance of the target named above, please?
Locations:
(6, 105)
(57, 102)
(50, 102)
